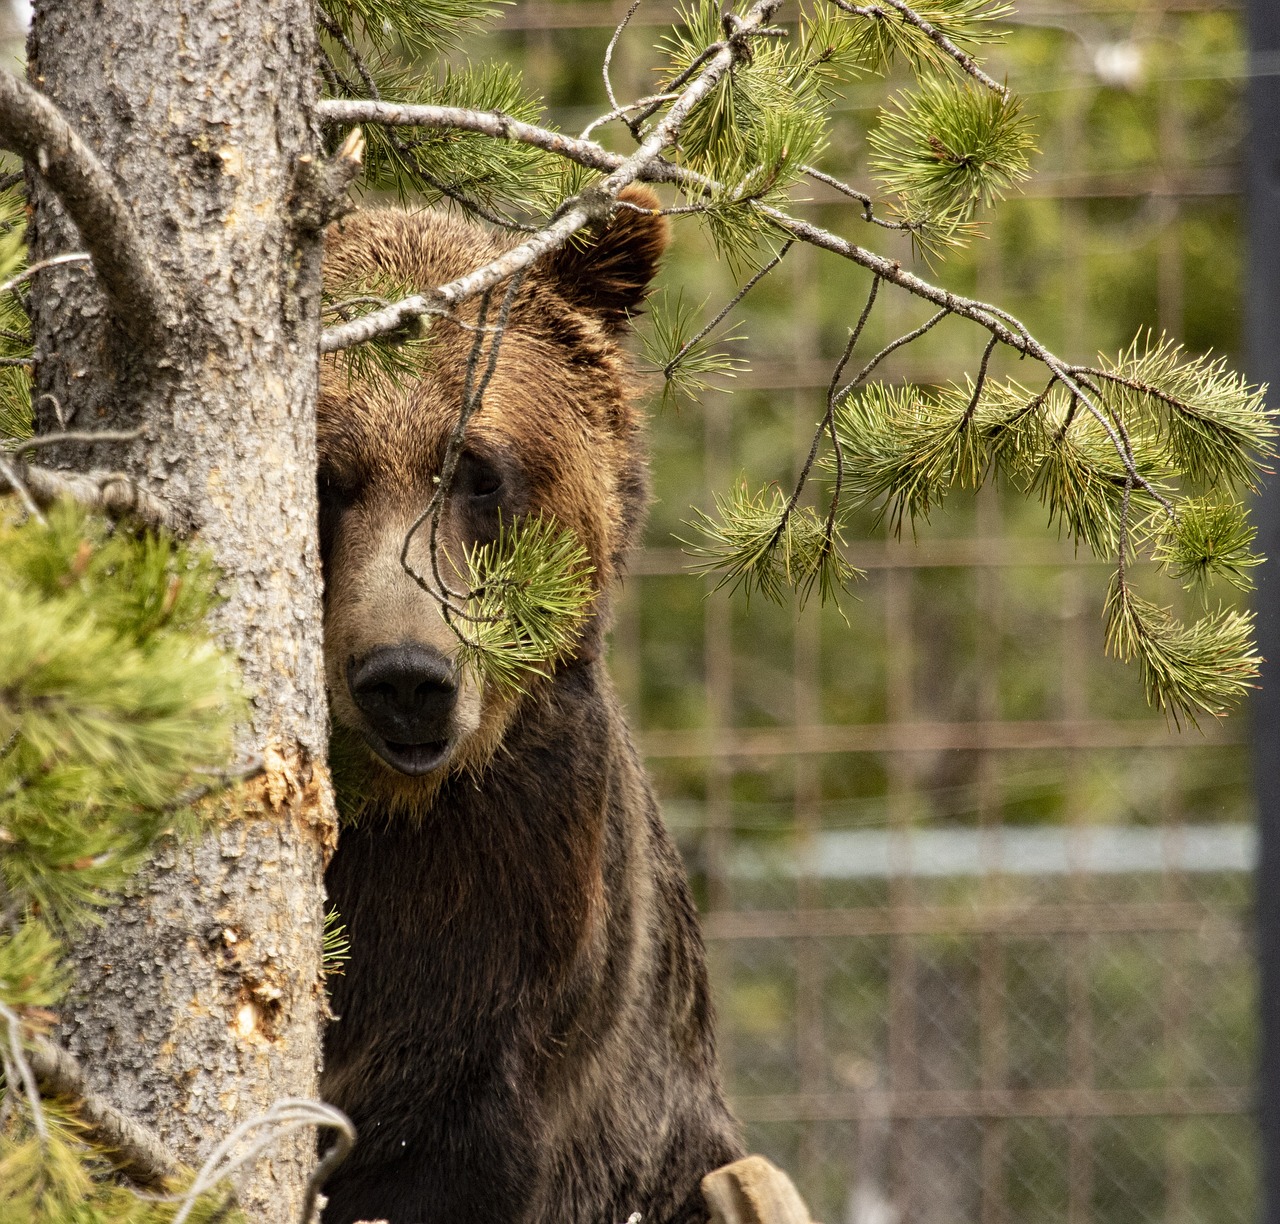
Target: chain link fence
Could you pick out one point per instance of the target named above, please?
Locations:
(978, 921)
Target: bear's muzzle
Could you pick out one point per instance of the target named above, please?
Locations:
(406, 694)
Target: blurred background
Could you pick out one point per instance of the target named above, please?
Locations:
(979, 921)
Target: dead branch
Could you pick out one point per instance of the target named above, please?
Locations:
(111, 493)
(139, 1154)
(32, 127)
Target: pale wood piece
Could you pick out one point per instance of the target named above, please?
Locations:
(753, 1190)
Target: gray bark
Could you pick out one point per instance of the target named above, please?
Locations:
(199, 1003)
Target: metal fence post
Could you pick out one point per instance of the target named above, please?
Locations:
(1262, 160)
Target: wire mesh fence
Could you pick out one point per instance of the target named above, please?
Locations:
(978, 921)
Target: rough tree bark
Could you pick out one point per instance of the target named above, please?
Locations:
(199, 1003)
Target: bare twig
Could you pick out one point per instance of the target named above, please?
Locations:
(283, 1118)
(671, 365)
(472, 399)
(32, 127)
(893, 345)
(980, 381)
(829, 420)
(88, 436)
(18, 483)
(333, 29)
(17, 1069)
(139, 1154)
(71, 257)
(608, 54)
(828, 423)
(620, 112)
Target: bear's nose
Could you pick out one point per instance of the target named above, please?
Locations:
(406, 692)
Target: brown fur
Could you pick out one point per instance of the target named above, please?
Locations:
(525, 1029)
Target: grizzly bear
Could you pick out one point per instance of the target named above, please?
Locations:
(523, 1031)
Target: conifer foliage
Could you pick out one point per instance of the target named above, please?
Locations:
(1143, 453)
(116, 712)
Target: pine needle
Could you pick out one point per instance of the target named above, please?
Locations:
(948, 148)
(533, 589)
(1211, 537)
(1187, 670)
(754, 544)
(1210, 421)
(689, 366)
(878, 40)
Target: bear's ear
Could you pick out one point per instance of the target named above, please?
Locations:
(609, 273)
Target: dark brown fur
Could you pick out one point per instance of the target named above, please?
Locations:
(525, 1031)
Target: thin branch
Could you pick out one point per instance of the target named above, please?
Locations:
(71, 257)
(32, 127)
(472, 399)
(892, 346)
(829, 420)
(20, 446)
(461, 119)
(671, 365)
(980, 381)
(18, 1070)
(608, 54)
(139, 1153)
(619, 112)
(679, 80)
(18, 482)
(283, 1118)
(822, 177)
(931, 32)
(335, 31)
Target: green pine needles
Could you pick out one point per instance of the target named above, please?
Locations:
(1135, 456)
(947, 148)
(760, 542)
(531, 589)
(116, 711)
(1118, 467)
(880, 35)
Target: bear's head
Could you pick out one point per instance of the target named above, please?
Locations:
(556, 434)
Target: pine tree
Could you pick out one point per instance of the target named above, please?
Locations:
(117, 711)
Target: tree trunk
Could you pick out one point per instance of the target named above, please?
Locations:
(199, 1002)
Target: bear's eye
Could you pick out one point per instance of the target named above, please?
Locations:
(335, 490)
(335, 494)
(477, 478)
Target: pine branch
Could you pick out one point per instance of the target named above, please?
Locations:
(32, 127)
(911, 17)
(593, 204)
(137, 1152)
